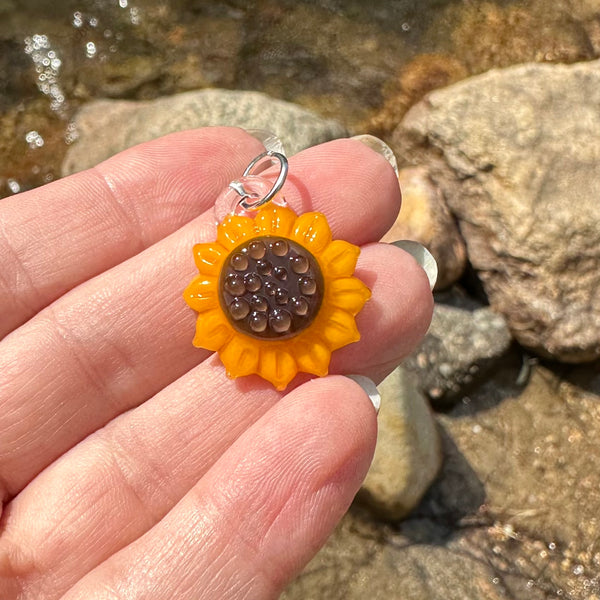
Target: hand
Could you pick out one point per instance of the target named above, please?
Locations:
(130, 465)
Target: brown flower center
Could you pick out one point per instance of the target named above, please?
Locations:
(271, 288)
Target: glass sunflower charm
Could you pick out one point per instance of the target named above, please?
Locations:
(275, 294)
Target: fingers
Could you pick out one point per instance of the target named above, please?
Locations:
(116, 340)
(261, 512)
(57, 236)
(145, 460)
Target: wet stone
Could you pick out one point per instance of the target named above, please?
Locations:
(271, 288)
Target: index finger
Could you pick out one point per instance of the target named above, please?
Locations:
(55, 237)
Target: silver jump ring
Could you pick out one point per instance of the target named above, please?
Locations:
(254, 204)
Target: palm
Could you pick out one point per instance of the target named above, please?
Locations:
(130, 465)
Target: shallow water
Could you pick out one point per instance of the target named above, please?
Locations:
(362, 63)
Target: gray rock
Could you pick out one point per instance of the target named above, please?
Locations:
(463, 342)
(520, 169)
(408, 452)
(106, 127)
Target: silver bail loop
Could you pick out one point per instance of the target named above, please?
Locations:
(255, 202)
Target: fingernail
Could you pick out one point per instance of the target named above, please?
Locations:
(380, 147)
(268, 139)
(369, 388)
(422, 256)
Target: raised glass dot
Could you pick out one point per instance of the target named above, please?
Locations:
(280, 321)
(258, 321)
(234, 285)
(299, 306)
(282, 295)
(300, 264)
(259, 303)
(239, 309)
(280, 273)
(239, 261)
(271, 288)
(252, 282)
(280, 248)
(307, 286)
(264, 267)
(257, 249)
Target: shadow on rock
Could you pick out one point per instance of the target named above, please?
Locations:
(456, 494)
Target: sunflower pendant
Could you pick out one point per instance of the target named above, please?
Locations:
(275, 294)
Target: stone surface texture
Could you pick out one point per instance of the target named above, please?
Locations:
(408, 453)
(106, 127)
(425, 218)
(512, 514)
(465, 340)
(520, 168)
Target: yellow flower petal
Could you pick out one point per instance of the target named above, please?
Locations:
(212, 330)
(348, 293)
(312, 356)
(277, 366)
(240, 357)
(338, 328)
(234, 230)
(312, 231)
(339, 259)
(275, 220)
(202, 293)
(209, 258)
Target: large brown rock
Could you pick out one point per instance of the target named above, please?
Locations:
(520, 168)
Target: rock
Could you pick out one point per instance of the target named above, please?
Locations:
(407, 456)
(422, 74)
(106, 127)
(490, 34)
(360, 561)
(535, 452)
(425, 218)
(464, 341)
(338, 72)
(513, 512)
(520, 151)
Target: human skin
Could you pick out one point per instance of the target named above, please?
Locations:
(130, 465)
